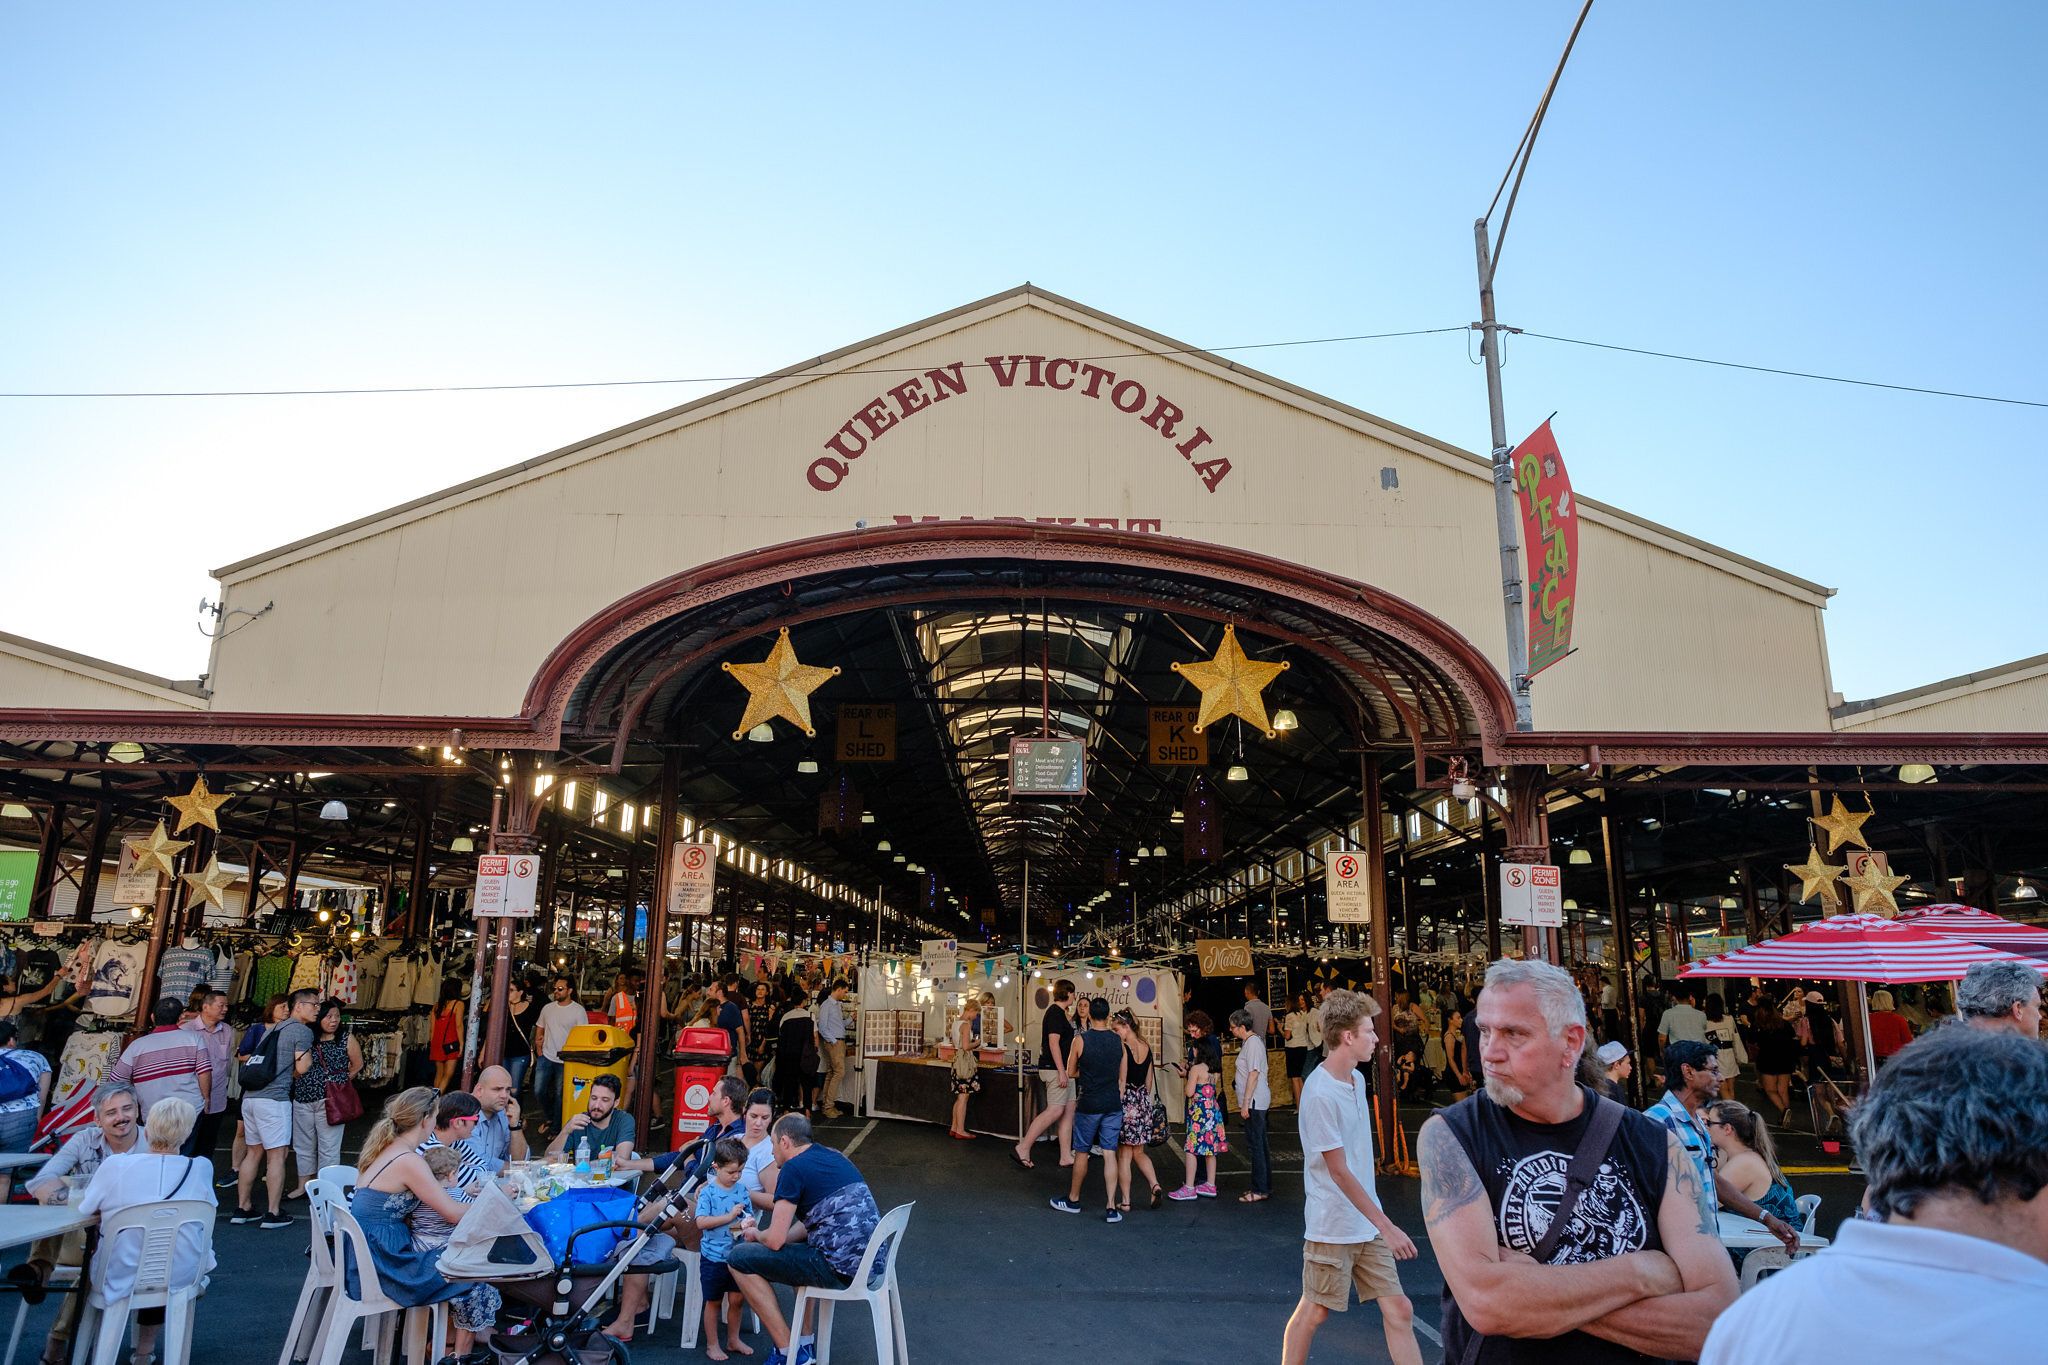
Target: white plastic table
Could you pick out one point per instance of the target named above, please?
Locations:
(1746, 1234)
(21, 1224)
(14, 1161)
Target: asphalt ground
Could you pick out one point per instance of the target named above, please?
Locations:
(993, 1275)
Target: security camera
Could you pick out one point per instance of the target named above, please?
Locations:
(861, 525)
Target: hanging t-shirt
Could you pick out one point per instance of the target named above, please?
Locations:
(342, 982)
(116, 977)
(306, 972)
(399, 976)
(426, 989)
(181, 971)
(273, 978)
(85, 1060)
(222, 976)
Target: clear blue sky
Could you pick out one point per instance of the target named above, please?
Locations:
(270, 195)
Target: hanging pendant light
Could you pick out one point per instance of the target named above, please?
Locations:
(334, 810)
(1236, 772)
(127, 751)
(762, 734)
(807, 766)
(462, 843)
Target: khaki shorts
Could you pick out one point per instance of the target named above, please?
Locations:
(1330, 1269)
(1059, 1091)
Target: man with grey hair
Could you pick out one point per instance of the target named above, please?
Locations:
(1567, 1227)
(1952, 1264)
(2002, 997)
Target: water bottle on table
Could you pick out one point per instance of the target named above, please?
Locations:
(583, 1157)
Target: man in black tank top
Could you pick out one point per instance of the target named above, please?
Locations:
(1632, 1275)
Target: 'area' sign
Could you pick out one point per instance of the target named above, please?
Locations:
(1347, 889)
(692, 878)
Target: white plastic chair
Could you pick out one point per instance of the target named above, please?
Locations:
(884, 1300)
(423, 1325)
(1809, 1209)
(339, 1179)
(1761, 1262)
(105, 1323)
(321, 1275)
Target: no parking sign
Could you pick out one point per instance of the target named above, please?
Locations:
(693, 876)
(1348, 889)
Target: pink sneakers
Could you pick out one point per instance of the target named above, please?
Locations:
(1206, 1191)
(1184, 1193)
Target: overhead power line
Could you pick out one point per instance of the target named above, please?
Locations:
(1122, 355)
(693, 379)
(1790, 374)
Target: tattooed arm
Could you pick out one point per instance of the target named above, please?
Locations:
(1674, 1326)
(1506, 1294)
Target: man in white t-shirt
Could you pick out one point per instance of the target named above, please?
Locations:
(562, 1013)
(1681, 1023)
(1350, 1239)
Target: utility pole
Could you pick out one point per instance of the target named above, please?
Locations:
(1505, 513)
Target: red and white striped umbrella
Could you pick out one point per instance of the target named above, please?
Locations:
(1858, 948)
(1978, 926)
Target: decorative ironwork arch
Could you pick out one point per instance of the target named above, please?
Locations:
(1412, 673)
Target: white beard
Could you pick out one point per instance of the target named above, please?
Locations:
(1505, 1095)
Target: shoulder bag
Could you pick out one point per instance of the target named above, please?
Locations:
(1158, 1129)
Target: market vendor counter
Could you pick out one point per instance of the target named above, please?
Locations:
(921, 1089)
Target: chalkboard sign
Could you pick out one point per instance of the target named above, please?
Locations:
(1048, 767)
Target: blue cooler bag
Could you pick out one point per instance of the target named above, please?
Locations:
(559, 1218)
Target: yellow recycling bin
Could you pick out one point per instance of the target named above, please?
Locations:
(592, 1050)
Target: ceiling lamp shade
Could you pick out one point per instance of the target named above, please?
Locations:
(867, 817)
(127, 751)
(462, 843)
(1159, 850)
(1581, 857)
(1286, 720)
(12, 811)
(900, 858)
(334, 810)
(882, 846)
(2026, 891)
(762, 734)
(1142, 852)
(807, 765)
(1916, 772)
(1426, 879)
(1236, 772)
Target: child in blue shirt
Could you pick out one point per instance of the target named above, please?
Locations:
(720, 1204)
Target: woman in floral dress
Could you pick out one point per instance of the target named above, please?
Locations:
(1205, 1136)
(1138, 1131)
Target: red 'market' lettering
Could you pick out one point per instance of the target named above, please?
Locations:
(1052, 374)
(1006, 375)
(1096, 375)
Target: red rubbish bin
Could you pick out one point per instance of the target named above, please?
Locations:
(702, 1056)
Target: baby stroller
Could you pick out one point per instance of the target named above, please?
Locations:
(562, 1303)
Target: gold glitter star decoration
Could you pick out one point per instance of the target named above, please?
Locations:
(1817, 877)
(1843, 825)
(199, 806)
(212, 883)
(157, 851)
(1873, 887)
(779, 686)
(1232, 684)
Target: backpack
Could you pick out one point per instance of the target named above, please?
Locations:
(17, 1082)
(261, 1068)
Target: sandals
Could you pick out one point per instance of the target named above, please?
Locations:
(1153, 1203)
(1020, 1163)
(1124, 1206)
(1252, 1197)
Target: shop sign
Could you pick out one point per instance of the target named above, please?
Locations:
(692, 878)
(1550, 541)
(1224, 956)
(1172, 739)
(1347, 889)
(865, 733)
(940, 957)
(131, 885)
(1532, 894)
(17, 882)
(1704, 946)
(507, 885)
(1048, 767)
